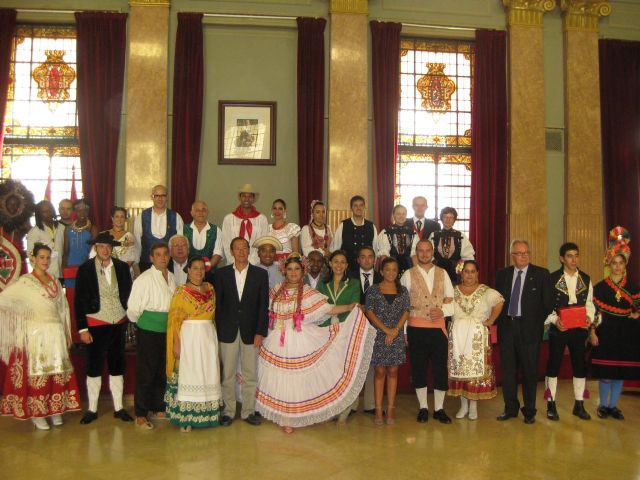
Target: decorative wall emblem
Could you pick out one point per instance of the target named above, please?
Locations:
(436, 88)
(54, 77)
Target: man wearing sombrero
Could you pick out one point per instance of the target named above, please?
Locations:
(246, 222)
(103, 285)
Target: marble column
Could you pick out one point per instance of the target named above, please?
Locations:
(584, 218)
(348, 106)
(528, 183)
(146, 104)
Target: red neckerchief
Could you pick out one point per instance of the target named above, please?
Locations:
(246, 226)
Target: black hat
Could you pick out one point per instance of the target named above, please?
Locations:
(104, 237)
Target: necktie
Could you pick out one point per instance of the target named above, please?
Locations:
(366, 281)
(419, 225)
(515, 296)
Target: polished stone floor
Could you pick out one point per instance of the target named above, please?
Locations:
(482, 449)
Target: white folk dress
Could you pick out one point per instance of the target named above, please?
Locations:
(309, 375)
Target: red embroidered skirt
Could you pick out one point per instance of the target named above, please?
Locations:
(27, 396)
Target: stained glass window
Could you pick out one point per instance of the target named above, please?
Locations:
(41, 122)
(434, 125)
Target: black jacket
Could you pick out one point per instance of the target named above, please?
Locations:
(428, 228)
(250, 314)
(87, 292)
(536, 301)
(377, 278)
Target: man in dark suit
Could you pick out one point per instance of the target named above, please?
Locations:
(422, 226)
(528, 300)
(103, 285)
(367, 276)
(242, 319)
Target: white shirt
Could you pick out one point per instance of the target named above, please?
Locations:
(572, 282)
(150, 292)
(56, 244)
(362, 278)
(306, 244)
(231, 229)
(429, 276)
(336, 244)
(313, 282)
(241, 278)
(179, 275)
(285, 234)
(106, 271)
(199, 238)
(158, 226)
(382, 246)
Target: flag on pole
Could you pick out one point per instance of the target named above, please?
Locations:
(47, 190)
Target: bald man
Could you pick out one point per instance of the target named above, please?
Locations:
(205, 239)
(155, 224)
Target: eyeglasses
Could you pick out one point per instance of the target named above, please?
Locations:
(520, 254)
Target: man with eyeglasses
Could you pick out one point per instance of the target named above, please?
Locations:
(527, 291)
(155, 224)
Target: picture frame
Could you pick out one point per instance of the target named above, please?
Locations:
(246, 132)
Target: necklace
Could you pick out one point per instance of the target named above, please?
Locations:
(74, 226)
(50, 286)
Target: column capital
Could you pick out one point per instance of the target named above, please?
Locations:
(149, 3)
(527, 12)
(584, 15)
(349, 6)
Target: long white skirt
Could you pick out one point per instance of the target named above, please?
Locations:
(199, 371)
(316, 374)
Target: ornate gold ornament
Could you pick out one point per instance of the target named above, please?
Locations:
(436, 88)
(584, 15)
(527, 12)
(54, 78)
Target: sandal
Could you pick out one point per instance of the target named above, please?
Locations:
(287, 430)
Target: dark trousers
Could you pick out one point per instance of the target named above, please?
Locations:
(151, 377)
(428, 344)
(108, 342)
(516, 353)
(576, 340)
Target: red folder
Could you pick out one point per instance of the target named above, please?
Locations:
(574, 316)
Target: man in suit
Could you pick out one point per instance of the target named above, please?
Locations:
(103, 285)
(179, 251)
(367, 276)
(242, 319)
(421, 225)
(526, 289)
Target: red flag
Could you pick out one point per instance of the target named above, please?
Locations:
(47, 190)
(74, 195)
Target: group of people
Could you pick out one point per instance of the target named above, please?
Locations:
(300, 320)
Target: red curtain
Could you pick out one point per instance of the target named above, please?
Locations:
(188, 88)
(101, 59)
(489, 152)
(385, 64)
(7, 29)
(310, 113)
(620, 116)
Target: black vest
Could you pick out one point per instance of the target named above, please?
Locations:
(404, 258)
(560, 292)
(354, 237)
(449, 264)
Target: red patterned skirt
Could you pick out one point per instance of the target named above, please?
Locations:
(27, 396)
(481, 388)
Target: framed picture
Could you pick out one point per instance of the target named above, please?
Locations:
(246, 133)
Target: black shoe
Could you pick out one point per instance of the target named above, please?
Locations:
(441, 416)
(529, 419)
(423, 415)
(370, 412)
(353, 412)
(123, 415)
(579, 411)
(253, 420)
(88, 417)
(616, 413)
(258, 414)
(603, 412)
(506, 416)
(226, 421)
(552, 412)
